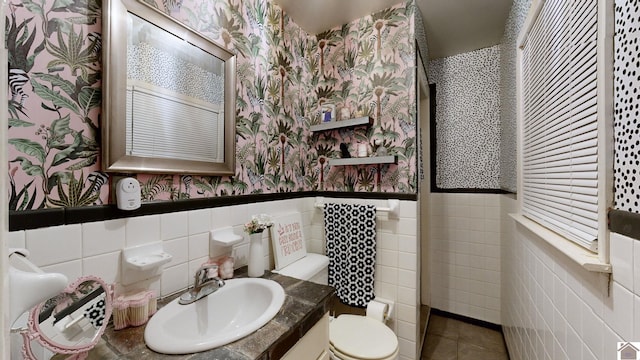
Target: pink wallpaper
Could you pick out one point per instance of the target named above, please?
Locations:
(283, 75)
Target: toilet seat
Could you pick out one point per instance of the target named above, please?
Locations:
(356, 337)
(337, 355)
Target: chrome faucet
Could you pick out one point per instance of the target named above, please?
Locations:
(203, 285)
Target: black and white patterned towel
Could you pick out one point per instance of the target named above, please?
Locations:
(95, 313)
(350, 231)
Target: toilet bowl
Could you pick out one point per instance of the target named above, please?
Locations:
(351, 337)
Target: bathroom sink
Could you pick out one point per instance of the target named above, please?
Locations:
(236, 310)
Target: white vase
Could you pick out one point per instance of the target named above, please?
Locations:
(256, 255)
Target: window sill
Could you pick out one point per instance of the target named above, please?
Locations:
(583, 257)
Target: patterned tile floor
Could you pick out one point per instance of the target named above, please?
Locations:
(450, 339)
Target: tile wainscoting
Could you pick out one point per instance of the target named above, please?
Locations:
(465, 254)
(554, 309)
(95, 247)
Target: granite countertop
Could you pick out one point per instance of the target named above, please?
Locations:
(305, 303)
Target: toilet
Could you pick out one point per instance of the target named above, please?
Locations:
(351, 337)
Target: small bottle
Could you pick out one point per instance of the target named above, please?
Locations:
(362, 150)
(344, 113)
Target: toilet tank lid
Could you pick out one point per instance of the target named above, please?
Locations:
(306, 267)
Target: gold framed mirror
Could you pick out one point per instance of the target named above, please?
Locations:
(168, 97)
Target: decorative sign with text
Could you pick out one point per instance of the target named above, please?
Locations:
(288, 240)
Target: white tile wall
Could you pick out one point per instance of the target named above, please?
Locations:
(16, 239)
(621, 253)
(174, 225)
(178, 249)
(142, 230)
(95, 248)
(59, 244)
(465, 262)
(72, 269)
(102, 237)
(397, 269)
(105, 266)
(587, 317)
(199, 221)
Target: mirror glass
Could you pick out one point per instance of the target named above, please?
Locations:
(174, 96)
(73, 321)
(169, 103)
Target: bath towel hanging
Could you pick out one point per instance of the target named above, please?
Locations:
(350, 231)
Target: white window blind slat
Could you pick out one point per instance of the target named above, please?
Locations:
(584, 28)
(578, 138)
(592, 183)
(555, 103)
(562, 139)
(573, 233)
(571, 226)
(576, 190)
(580, 219)
(582, 212)
(560, 165)
(558, 154)
(564, 196)
(558, 121)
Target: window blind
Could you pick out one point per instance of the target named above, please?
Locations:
(560, 123)
(161, 125)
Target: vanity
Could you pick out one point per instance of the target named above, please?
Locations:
(300, 330)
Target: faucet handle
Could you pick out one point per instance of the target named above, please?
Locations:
(206, 272)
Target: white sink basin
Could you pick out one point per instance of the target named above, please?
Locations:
(236, 310)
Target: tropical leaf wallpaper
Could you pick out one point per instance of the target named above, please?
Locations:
(283, 76)
(367, 66)
(54, 104)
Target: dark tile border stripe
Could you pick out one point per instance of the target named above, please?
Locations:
(33, 219)
(484, 324)
(625, 223)
(470, 191)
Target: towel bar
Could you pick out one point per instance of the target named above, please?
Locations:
(393, 209)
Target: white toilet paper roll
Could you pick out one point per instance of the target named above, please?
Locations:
(377, 310)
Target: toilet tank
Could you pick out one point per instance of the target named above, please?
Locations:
(312, 267)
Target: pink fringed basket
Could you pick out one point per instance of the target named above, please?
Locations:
(134, 310)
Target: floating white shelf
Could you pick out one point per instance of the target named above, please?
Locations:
(342, 124)
(371, 160)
